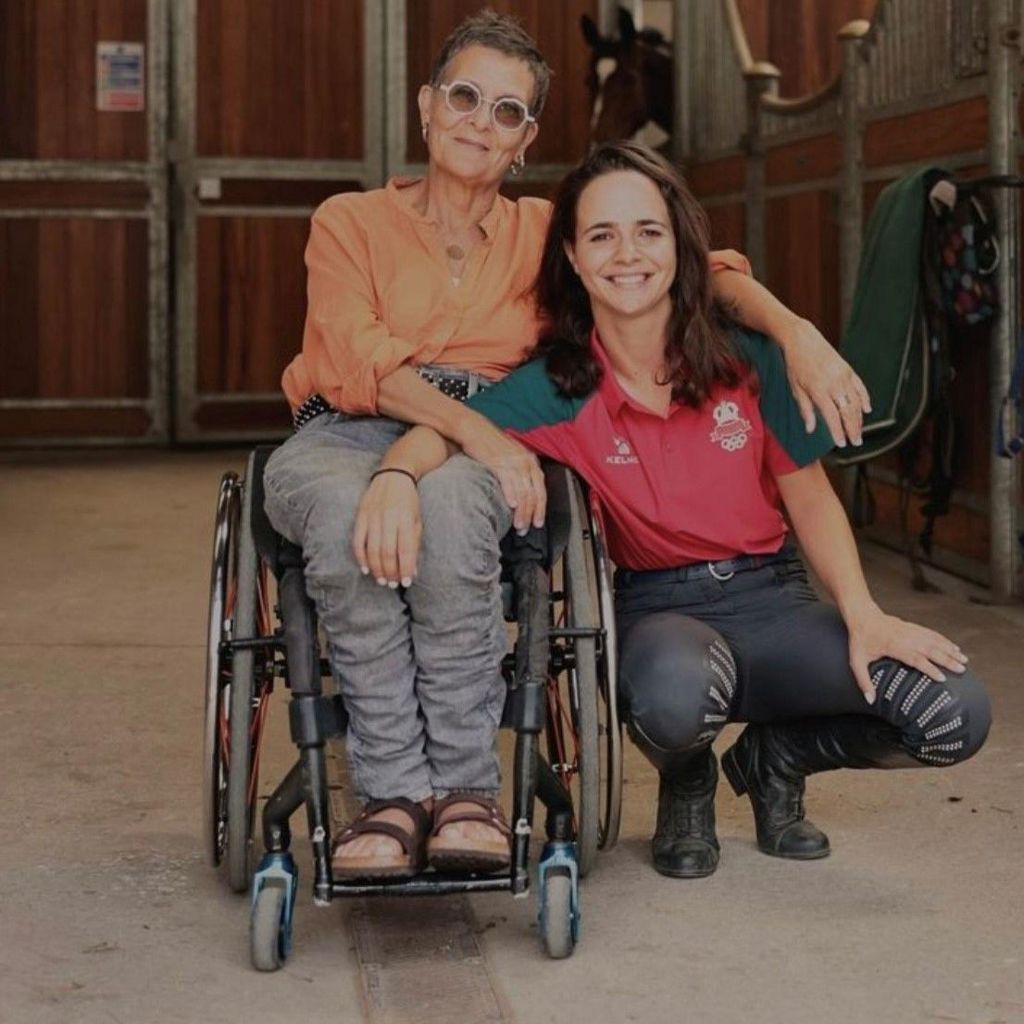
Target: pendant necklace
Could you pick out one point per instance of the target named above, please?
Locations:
(456, 254)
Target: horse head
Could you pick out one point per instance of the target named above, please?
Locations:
(629, 80)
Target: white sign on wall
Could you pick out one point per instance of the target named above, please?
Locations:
(120, 76)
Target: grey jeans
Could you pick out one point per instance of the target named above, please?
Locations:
(418, 667)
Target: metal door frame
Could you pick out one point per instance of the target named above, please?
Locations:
(190, 169)
(152, 172)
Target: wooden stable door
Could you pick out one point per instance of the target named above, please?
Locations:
(276, 109)
(83, 222)
(205, 185)
(280, 104)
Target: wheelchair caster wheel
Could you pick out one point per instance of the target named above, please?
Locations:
(558, 918)
(266, 928)
(273, 904)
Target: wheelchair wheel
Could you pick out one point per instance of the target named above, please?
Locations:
(215, 735)
(251, 679)
(238, 686)
(556, 925)
(266, 928)
(581, 727)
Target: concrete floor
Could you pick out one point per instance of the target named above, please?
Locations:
(108, 912)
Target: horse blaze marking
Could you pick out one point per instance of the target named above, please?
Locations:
(605, 69)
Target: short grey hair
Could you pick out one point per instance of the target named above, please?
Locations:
(505, 34)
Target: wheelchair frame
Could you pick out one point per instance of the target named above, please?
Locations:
(561, 677)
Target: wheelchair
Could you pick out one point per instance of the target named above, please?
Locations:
(560, 676)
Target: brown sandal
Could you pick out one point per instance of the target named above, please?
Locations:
(484, 855)
(409, 862)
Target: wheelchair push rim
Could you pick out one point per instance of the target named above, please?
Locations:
(214, 739)
(582, 733)
(238, 684)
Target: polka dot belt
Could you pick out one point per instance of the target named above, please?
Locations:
(457, 384)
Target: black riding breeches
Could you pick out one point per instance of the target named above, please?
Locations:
(761, 647)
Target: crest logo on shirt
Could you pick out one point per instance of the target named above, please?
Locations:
(623, 453)
(731, 429)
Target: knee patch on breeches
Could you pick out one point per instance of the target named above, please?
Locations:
(685, 697)
(941, 723)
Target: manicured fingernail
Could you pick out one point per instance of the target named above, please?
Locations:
(858, 441)
(406, 581)
(365, 570)
(869, 697)
(939, 677)
(381, 581)
(522, 531)
(393, 584)
(841, 444)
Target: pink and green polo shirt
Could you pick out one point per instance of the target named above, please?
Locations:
(695, 486)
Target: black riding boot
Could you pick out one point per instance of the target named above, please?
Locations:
(771, 762)
(684, 843)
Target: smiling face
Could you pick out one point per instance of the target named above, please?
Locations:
(625, 248)
(469, 146)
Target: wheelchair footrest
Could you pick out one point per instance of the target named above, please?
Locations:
(428, 884)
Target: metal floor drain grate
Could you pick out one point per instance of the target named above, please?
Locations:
(420, 962)
(419, 959)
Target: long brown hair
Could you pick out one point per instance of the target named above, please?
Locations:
(698, 354)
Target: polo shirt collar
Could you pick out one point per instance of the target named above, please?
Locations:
(612, 393)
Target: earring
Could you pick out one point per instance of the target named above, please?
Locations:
(518, 165)
(425, 130)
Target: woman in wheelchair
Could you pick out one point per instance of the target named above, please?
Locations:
(420, 295)
(684, 426)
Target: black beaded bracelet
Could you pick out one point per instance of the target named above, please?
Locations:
(395, 469)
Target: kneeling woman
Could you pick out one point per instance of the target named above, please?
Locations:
(685, 427)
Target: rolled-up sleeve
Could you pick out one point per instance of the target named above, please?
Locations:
(346, 347)
(729, 259)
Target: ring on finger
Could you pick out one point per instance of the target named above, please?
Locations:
(842, 401)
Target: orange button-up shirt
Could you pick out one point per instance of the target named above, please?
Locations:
(380, 294)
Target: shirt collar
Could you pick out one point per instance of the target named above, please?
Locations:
(610, 388)
(489, 223)
(612, 392)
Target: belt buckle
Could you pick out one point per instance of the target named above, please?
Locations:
(719, 577)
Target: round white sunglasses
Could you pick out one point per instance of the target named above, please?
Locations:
(507, 113)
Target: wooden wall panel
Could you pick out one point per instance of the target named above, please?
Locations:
(963, 531)
(802, 245)
(251, 300)
(120, 195)
(718, 177)
(555, 27)
(805, 160)
(928, 134)
(48, 80)
(64, 423)
(245, 417)
(800, 37)
(280, 78)
(73, 303)
(728, 224)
